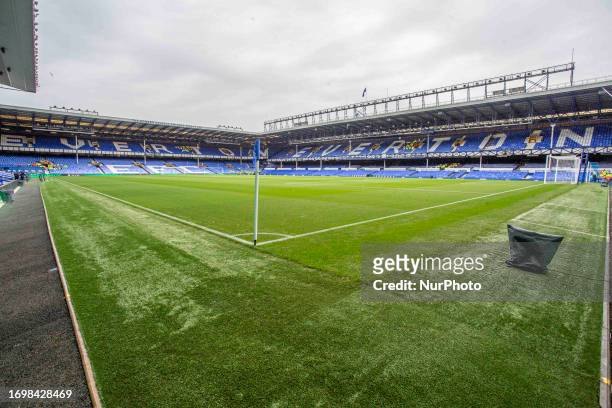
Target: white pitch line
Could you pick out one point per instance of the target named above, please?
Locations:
(170, 217)
(572, 208)
(441, 191)
(263, 233)
(520, 216)
(425, 189)
(353, 224)
(90, 379)
(560, 228)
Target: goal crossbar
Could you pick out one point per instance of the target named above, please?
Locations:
(562, 169)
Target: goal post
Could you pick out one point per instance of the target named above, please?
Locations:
(562, 169)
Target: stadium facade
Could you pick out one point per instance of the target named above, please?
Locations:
(496, 128)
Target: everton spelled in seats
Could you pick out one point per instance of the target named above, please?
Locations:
(69, 165)
(565, 137)
(68, 145)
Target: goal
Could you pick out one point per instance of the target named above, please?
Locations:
(562, 169)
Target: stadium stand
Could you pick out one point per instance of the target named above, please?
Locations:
(6, 177)
(52, 153)
(494, 136)
(474, 174)
(104, 165)
(68, 145)
(536, 140)
(572, 137)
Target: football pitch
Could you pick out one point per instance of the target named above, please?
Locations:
(178, 310)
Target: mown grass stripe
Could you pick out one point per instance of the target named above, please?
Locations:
(170, 217)
(271, 332)
(386, 217)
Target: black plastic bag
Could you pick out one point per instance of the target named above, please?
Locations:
(531, 250)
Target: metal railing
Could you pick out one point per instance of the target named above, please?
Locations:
(359, 112)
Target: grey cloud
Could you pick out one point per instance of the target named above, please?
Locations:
(240, 62)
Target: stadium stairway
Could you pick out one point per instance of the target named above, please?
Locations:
(144, 168)
(457, 174)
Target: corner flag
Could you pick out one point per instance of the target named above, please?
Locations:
(256, 156)
(256, 151)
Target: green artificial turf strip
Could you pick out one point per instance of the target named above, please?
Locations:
(173, 316)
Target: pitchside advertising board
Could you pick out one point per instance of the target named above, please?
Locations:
(155, 169)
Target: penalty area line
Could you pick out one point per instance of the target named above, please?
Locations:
(164, 215)
(386, 217)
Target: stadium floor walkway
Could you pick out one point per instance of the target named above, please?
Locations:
(38, 349)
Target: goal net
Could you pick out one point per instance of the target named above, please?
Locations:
(562, 169)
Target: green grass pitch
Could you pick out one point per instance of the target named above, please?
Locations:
(176, 316)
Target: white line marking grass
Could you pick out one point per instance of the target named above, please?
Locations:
(353, 224)
(604, 385)
(442, 191)
(86, 362)
(425, 189)
(306, 234)
(522, 215)
(521, 218)
(572, 208)
(170, 217)
(263, 233)
(559, 228)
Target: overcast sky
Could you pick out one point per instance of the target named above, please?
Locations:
(240, 62)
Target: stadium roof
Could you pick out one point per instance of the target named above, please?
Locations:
(71, 122)
(535, 100)
(18, 47)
